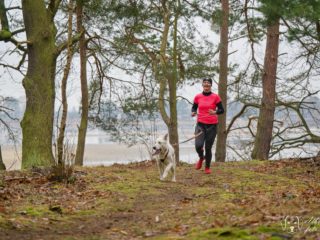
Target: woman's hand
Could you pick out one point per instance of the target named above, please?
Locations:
(212, 112)
(193, 114)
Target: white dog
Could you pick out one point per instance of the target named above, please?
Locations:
(165, 157)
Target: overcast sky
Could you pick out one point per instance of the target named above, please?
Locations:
(11, 81)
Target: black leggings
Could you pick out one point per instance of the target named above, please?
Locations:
(209, 132)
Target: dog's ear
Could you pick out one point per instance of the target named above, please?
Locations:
(166, 137)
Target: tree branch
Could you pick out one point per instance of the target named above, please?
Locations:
(12, 67)
(64, 45)
(13, 8)
(239, 115)
(18, 44)
(53, 8)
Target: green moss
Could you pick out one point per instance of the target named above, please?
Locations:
(87, 212)
(37, 122)
(130, 187)
(223, 233)
(136, 196)
(36, 160)
(267, 229)
(255, 162)
(37, 211)
(5, 35)
(248, 178)
(84, 238)
(202, 191)
(166, 237)
(2, 220)
(226, 196)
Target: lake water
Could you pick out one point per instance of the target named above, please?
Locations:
(100, 150)
(103, 154)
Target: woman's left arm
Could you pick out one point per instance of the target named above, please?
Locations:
(220, 109)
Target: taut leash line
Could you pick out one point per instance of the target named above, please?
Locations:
(189, 139)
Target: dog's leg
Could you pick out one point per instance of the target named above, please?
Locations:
(161, 170)
(173, 169)
(166, 171)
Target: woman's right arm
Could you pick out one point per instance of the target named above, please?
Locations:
(194, 109)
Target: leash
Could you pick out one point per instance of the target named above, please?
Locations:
(189, 139)
(193, 137)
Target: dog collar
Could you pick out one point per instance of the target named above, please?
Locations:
(165, 156)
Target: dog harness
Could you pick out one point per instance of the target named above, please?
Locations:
(165, 156)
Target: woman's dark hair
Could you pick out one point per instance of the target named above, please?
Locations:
(208, 80)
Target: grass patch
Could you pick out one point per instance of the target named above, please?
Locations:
(239, 200)
(222, 233)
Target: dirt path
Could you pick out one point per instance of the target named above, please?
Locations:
(240, 200)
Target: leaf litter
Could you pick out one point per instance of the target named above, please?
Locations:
(239, 200)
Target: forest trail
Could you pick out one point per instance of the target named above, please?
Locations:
(239, 200)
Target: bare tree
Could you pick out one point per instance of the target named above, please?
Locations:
(295, 129)
(7, 117)
(63, 120)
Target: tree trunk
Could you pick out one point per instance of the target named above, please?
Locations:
(84, 88)
(5, 33)
(266, 116)
(169, 77)
(223, 82)
(172, 120)
(3, 17)
(173, 125)
(166, 74)
(37, 122)
(172, 82)
(2, 166)
(64, 81)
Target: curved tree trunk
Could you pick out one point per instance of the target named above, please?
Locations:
(37, 122)
(223, 83)
(266, 116)
(84, 88)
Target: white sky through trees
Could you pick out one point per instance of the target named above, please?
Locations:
(11, 80)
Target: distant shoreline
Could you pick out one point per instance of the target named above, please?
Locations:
(108, 153)
(101, 154)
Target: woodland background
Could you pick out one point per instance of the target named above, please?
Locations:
(133, 59)
(136, 62)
